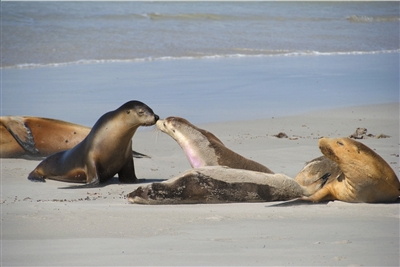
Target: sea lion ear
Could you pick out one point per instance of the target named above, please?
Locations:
(128, 111)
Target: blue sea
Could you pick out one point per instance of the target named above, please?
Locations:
(56, 33)
(205, 61)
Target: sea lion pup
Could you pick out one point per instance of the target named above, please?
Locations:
(366, 176)
(219, 184)
(202, 148)
(35, 137)
(107, 149)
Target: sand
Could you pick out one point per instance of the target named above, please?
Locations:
(42, 225)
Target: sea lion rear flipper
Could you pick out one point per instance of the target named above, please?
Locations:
(21, 132)
(138, 155)
(325, 178)
(91, 185)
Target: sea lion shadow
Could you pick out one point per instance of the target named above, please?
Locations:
(297, 202)
(113, 181)
(300, 202)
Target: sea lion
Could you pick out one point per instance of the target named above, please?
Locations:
(106, 150)
(36, 138)
(311, 173)
(220, 184)
(366, 177)
(202, 148)
(33, 137)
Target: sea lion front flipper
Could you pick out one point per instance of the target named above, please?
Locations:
(21, 132)
(127, 173)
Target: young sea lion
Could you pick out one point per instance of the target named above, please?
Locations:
(107, 149)
(366, 176)
(202, 148)
(219, 184)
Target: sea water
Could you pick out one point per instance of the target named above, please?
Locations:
(53, 33)
(205, 61)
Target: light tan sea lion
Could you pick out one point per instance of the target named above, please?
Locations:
(34, 137)
(366, 176)
(202, 148)
(106, 151)
(219, 184)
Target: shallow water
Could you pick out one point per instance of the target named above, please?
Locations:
(54, 33)
(206, 90)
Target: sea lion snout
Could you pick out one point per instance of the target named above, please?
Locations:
(156, 117)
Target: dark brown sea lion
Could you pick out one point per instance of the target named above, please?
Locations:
(219, 184)
(364, 176)
(202, 148)
(106, 151)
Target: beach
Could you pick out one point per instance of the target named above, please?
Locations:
(245, 72)
(43, 225)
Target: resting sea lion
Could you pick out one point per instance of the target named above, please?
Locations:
(202, 148)
(365, 177)
(35, 138)
(219, 184)
(107, 149)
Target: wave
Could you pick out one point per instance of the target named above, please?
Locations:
(249, 53)
(235, 17)
(367, 19)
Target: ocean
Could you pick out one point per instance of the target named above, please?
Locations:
(57, 33)
(204, 61)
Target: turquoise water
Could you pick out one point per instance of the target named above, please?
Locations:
(58, 33)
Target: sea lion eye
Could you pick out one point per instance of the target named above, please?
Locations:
(339, 143)
(141, 113)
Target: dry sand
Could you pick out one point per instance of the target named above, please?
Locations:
(42, 225)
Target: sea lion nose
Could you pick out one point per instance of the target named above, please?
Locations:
(156, 117)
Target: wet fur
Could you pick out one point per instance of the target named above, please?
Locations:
(106, 151)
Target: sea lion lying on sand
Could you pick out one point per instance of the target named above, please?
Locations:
(219, 184)
(36, 138)
(202, 148)
(106, 151)
(363, 176)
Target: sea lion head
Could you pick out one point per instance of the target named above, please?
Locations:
(138, 113)
(353, 156)
(176, 127)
